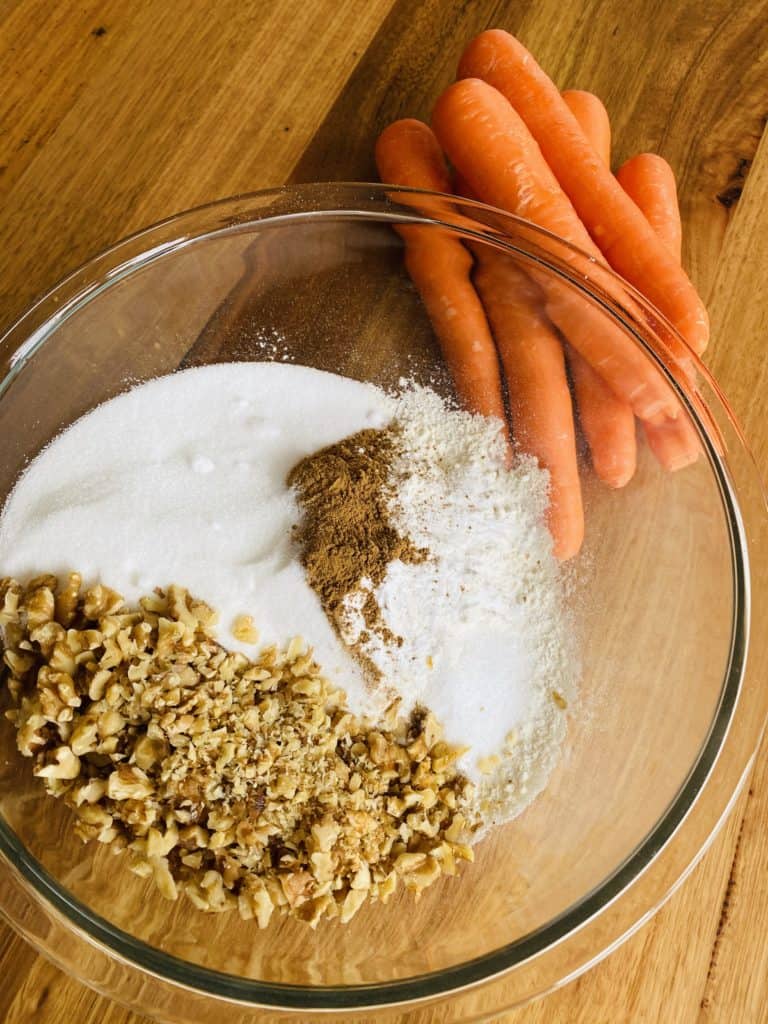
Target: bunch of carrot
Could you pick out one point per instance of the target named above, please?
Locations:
(515, 142)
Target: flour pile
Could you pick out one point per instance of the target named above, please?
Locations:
(483, 636)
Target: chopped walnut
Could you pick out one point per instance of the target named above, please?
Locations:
(244, 630)
(243, 784)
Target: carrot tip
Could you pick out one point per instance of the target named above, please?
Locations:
(615, 478)
(681, 461)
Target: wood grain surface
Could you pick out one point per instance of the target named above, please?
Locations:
(114, 115)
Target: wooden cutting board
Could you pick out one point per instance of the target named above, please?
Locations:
(114, 115)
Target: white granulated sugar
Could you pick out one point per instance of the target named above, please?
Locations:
(270, 343)
(485, 637)
(182, 480)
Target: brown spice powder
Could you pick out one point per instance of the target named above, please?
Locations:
(346, 534)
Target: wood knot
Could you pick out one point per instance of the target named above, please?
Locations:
(731, 194)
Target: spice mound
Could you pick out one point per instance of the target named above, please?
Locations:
(241, 783)
(346, 534)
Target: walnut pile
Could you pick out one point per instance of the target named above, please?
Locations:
(243, 784)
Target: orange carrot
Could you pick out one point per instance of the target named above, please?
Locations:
(539, 399)
(495, 153)
(650, 182)
(607, 422)
(490, 146)
(407, 153)
(441, 275)
(674, 443)
(542, 416)
(589, 111)
(619, 228)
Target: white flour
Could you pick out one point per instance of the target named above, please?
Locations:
(485, 638)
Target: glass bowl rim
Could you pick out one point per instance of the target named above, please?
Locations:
(97, 274)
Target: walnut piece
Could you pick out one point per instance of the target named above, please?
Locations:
(244, 630)
(243, 784)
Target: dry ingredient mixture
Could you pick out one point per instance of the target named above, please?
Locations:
(347, 538)
(244, 784)
(458, 604)
(389, 531)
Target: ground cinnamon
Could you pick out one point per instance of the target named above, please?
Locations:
(346, 535)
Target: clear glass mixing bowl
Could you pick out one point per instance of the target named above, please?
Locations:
(663, 593)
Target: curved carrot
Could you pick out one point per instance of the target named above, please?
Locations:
(539, 399)
(441, 275)
(490, 146)
(623, 234)
(650, 182)
(608, 422)
(591, 114)
(407, 153)
(674, 442)
(542, 414)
